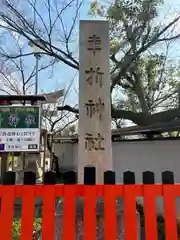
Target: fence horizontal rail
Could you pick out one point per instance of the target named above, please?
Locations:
(59, 190)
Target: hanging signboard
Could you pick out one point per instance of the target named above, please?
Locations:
(19, 128)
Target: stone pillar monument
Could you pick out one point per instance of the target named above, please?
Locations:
(94, 146)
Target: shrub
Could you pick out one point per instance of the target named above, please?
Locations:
(17, 228)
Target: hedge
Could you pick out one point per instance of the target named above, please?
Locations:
(17, 226)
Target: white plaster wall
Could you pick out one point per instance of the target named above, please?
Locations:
(137, 156)
(156, 156)
(65, 153)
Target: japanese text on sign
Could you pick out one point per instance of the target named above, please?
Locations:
(18, 109)
(16, 133)
(19, 117)
(19, 140)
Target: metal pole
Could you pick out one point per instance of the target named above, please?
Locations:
(37, 56)
(12, 162)
(37, 68)
(3, 164)
(51, 153)
(44, 152)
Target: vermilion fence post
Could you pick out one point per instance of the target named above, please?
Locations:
(7, 211)
(7, 205)
(69, 212)
(89, 212)
(150, 193)
(28, 200)
(48, 212)
(130, 216)
(170, 212)
(48, 209)
(169, 194)
(27, 220)
(110, 219)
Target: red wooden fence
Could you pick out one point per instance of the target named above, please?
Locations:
(70, 192)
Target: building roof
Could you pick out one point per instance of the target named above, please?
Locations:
(22, 98)
(173, 125)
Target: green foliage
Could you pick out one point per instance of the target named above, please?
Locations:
(159, 80)
(17, 228)
(151, 81)
(96, 9)
(117, 11)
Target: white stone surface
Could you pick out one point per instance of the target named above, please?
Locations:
(94, 85)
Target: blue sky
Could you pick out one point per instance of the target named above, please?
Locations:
(62, 74)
